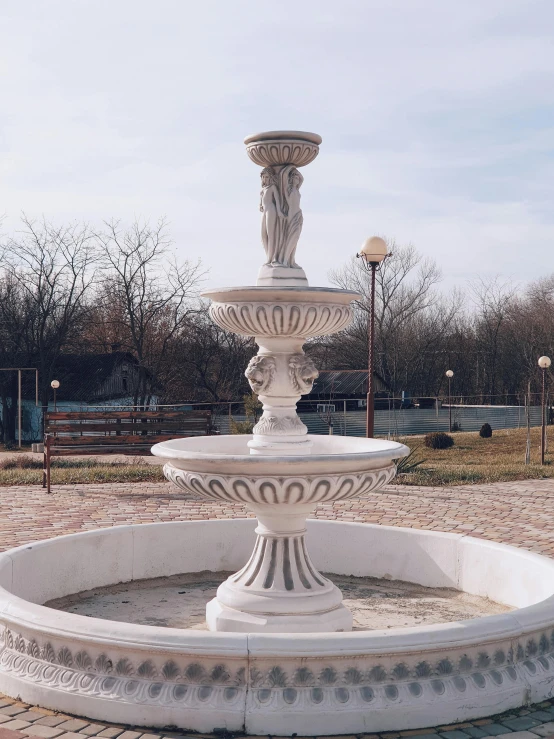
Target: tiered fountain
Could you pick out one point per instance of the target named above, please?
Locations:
(276, 674)
(281, 472)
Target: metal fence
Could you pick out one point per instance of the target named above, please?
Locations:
(401, 421)
(345, 417)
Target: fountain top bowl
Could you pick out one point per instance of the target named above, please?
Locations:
(275, 148)
(281, 311)
(281, 294)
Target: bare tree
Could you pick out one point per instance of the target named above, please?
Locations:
(48, 272)
(493, 298)
(14, 330)
(146, 297)
(406, 299)
(215, 360)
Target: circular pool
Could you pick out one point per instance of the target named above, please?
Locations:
(324, 683)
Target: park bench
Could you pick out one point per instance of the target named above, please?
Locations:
(116, 432)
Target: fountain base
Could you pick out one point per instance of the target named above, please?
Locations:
(223, 618)
(278, 276)
(279, 589)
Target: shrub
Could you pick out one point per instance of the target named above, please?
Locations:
(410, 463)
(241, 427)
(485, 432)
(438, 440)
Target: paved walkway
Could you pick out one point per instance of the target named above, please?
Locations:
(519, 513)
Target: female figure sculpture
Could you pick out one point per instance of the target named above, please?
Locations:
(281, 214)
(270, 204)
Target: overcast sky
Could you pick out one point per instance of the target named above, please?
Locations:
(437, 120)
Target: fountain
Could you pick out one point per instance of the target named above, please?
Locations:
(281, 473)
(279, 657)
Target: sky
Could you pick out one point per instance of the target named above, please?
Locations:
(437, 120)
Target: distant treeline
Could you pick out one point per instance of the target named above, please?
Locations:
(78, 290)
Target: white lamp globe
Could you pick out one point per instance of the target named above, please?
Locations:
(55, 384)
(449, 374)
(544, 362)
(374, 249)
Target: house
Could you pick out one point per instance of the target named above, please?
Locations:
(85, 380)
(97, 378)
(340, 387)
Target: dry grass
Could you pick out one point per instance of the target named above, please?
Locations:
(24, 470)
(476, 460)
(470, 460)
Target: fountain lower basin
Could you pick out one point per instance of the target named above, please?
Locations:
(279, 589)
(308, 684)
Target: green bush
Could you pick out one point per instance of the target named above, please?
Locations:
(410, 463)
(241, 427)
(485, 432)
(438, 440)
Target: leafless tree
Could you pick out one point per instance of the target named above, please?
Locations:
(493, 298)
(146, 297)
(49, 272)
(410, 313)
(215, 360)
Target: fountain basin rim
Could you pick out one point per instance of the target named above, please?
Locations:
(312, 138)
(270, 294)
(231, 455)
(19, 612)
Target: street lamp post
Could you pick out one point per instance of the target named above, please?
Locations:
(372, 254)
(450, 375)
(55, 385)
(544, 364)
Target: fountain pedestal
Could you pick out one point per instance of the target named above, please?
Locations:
(279, 589)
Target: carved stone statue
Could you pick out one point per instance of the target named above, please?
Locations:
(281, 214)
(260, 373)
(302, 373)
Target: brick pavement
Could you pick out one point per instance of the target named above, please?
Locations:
(519, 513)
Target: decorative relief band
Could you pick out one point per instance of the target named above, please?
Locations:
(288, 490)
(284, 426)
(321, 682)
(267, 153)
(281, 319)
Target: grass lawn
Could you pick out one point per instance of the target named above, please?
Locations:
(476, 460)
(470, 460)
(24, 470)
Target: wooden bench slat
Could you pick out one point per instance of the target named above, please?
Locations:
(108, 440)
(70, 415)
(77, 428)
(133, 451)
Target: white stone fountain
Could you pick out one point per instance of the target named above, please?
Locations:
(291, 680)
(281, 472)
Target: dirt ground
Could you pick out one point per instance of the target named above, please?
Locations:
(180, 601)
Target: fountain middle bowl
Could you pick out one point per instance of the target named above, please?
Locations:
(221, 468)
(230, 453)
